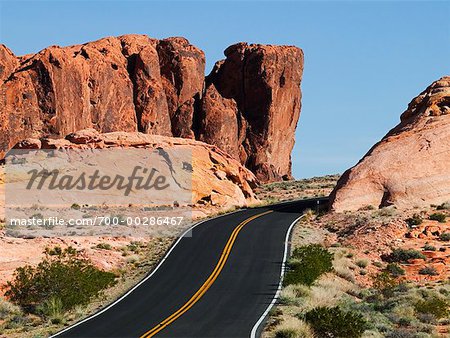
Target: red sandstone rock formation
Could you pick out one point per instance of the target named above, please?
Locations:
(410, 166)
(252, 104)
(249, 108)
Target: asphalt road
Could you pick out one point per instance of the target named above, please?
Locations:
(216, 283)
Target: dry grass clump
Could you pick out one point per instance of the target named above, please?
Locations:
(327, 291)
(7, 309)
(292, 294)
(343, 266)
(292, 327)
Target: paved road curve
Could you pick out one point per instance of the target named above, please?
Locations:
(217, 283)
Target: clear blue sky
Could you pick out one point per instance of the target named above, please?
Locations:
(364, 61)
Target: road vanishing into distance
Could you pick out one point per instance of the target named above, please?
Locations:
(220, 280)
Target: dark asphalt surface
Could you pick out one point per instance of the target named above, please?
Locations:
(231, 306)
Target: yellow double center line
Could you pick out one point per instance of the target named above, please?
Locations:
(207, 284)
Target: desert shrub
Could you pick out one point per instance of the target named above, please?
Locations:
(334, 322)
(415, 220)
(402, 314)
(385, 283)
(378, 264)
(386, 212)
(63, 275)
(308, 263)
(75, 206)
(428, 247)
(133, 259)
(362, 263)
(437, 216)
(428, 270)
(395, 270)
(134, 246)
(434, 305)
(443, 206)
(404, 255)
(104, 246)
(445, 236)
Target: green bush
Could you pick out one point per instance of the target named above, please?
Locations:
(104, 246)
(308, 263)
(438, 217)
(404, 255)
(395, 270)
(385, 283)
(445, 236)
(435, 306)
(415, 220)
(362, 263)
(63, 275)
(428, 270)
(428, 247)
(335, 323)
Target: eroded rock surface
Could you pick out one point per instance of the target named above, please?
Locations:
(252, 105)
(249, 105)
(126, 83)
(217, 179)
(410, 166)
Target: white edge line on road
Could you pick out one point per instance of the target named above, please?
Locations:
(280, 285)
(144, 279)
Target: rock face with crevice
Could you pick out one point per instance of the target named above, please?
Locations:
(248, 106)
(410, 166)
(113, 84)
(252, 104)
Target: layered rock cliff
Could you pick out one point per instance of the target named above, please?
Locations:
(410, 166)
(249, 105)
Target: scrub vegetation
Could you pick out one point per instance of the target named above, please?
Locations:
(299, 189)
(66, 287)
(358, 295)
(63, 280)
